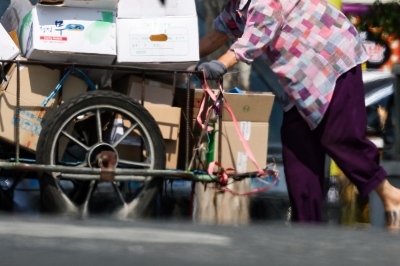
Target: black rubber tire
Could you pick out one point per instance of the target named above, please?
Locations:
(53, 199)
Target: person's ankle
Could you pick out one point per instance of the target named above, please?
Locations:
(389, 195)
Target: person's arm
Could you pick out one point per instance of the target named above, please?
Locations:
(228, 59)
(211, 42)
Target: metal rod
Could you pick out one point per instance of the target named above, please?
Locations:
(187, 123)
(112, 67)
(84, 170)
(133, 178)
(118, 178)
(126, 133)
(17, 115)
(99, 127)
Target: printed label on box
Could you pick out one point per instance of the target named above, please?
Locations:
(29, 122)
(245, 128)
(241, 163)
(177, 42)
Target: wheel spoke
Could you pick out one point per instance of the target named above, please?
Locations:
(99, 128)
(135, 163)
(74, 140)
(88, 196)
(115, 144)
(118, 191)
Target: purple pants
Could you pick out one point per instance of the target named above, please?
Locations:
(340, 135)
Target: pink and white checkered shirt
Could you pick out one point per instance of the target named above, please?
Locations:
(307, 43)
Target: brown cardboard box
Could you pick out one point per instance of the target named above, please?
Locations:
(36, 83)
(233, 155)
(254, 107)
(250, 106)
(158, 99)
(154, 92)
(168, 119)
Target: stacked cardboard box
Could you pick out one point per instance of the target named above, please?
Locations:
(252, 111)
(34, 89)
(157, 99)
(148, 32)
(65, 32)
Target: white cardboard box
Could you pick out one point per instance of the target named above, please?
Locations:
(154, 8)
(97, 4)
(68, 34)
(15, 12)
(140, 23)
(8, 49)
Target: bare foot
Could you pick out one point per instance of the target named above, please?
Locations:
(390, 197)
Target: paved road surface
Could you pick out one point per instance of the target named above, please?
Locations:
(64, 241)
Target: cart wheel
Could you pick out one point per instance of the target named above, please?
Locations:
(76, 134)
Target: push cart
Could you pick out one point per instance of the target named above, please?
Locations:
(78, 147)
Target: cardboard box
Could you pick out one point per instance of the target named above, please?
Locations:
(233, 155)
(8, 49)
(13, 15)
(250, 106)
(154, 92)
(150, 33)
(158, 99)
(168, 120)
(34, 89)
(252, 110)
(97, 4)
(154, 8)
(68, 34)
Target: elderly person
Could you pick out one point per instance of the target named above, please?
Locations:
(316, 54)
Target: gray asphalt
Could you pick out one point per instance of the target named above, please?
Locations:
(34, 240)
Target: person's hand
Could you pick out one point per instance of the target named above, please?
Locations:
(213, 70)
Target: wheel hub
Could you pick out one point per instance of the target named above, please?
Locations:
(103, 156)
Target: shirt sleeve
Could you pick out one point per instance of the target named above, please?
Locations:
(226, 21)
(264, 19)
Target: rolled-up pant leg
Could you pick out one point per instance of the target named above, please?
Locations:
(341, 135)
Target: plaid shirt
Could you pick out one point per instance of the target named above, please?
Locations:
(307, 43)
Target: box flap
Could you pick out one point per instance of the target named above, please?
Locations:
(155, 92)
(8, 48)
(154, 8)
(97, 4)
(167, 118)
(254, 107)
(34, 89)
(16, 11)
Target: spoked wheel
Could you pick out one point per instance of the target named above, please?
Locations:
(80, 133)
